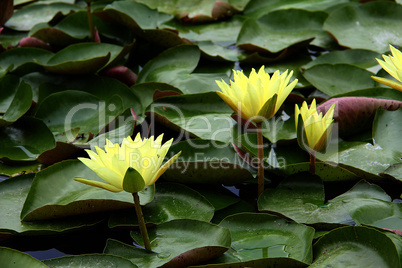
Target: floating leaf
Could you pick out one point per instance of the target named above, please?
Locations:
(194, 241)
(74, 28)
(15, 99)
(23, 60)
(142, 21)
(11, 257)
(201, 115)
(25, 18)
(67, 110)
(358, 57)
(283, 28)
(172, 201)
(371, 159)
(25, 139)
(257, 236)
(13, 192)
(355, 246)
(54, 194)
(185, 59)
(334, 79)
(363, 26)
(84, 58)
(301, 198)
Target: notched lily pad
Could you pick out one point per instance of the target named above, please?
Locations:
(25, 140)
(282, 29)
(13, 192)
(15, 99)
(301, 198)
(85, 58)
(55, 194)
(256, 236)
(25, 18)
(364, 26)
(172, 201)
(23, 60)
(355, 246)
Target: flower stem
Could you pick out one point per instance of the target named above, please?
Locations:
(260, 160)
(91, 25)
(312, 163)
(141, 222)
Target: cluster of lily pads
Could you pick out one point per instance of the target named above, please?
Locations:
(78, 75)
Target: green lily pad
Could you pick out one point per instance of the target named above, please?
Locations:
(379, 213)
(68, 110)
(194, 241)
(25, 18)
(11, 257)
(185, 59)
(283, 28)
(143, 21)
(257, 236)
(355, 246)
(84, 58)
(15, 99)
(74, 28)
(335, 79)
(364, 26)
(12, 169)
(94, 84)
(362, 58)
(204, 116)
(301, 198)
(25, 139)
(13, 192)
(54, 194)
(371, 159)
(85, 260)
(394, 170)
(146, 92)
(25, 59)
(213, 162)
(256, 9)
(172, 201)
(215, 39)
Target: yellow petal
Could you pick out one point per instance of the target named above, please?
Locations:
(388, 82)
(99, 184)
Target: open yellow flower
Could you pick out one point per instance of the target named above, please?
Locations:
(258, 97)
(393, 66)
(131, 167)
(315, 128)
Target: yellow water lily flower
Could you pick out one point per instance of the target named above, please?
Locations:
(317, 128)
(259, 96)
(393, 66)
(129, 167)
